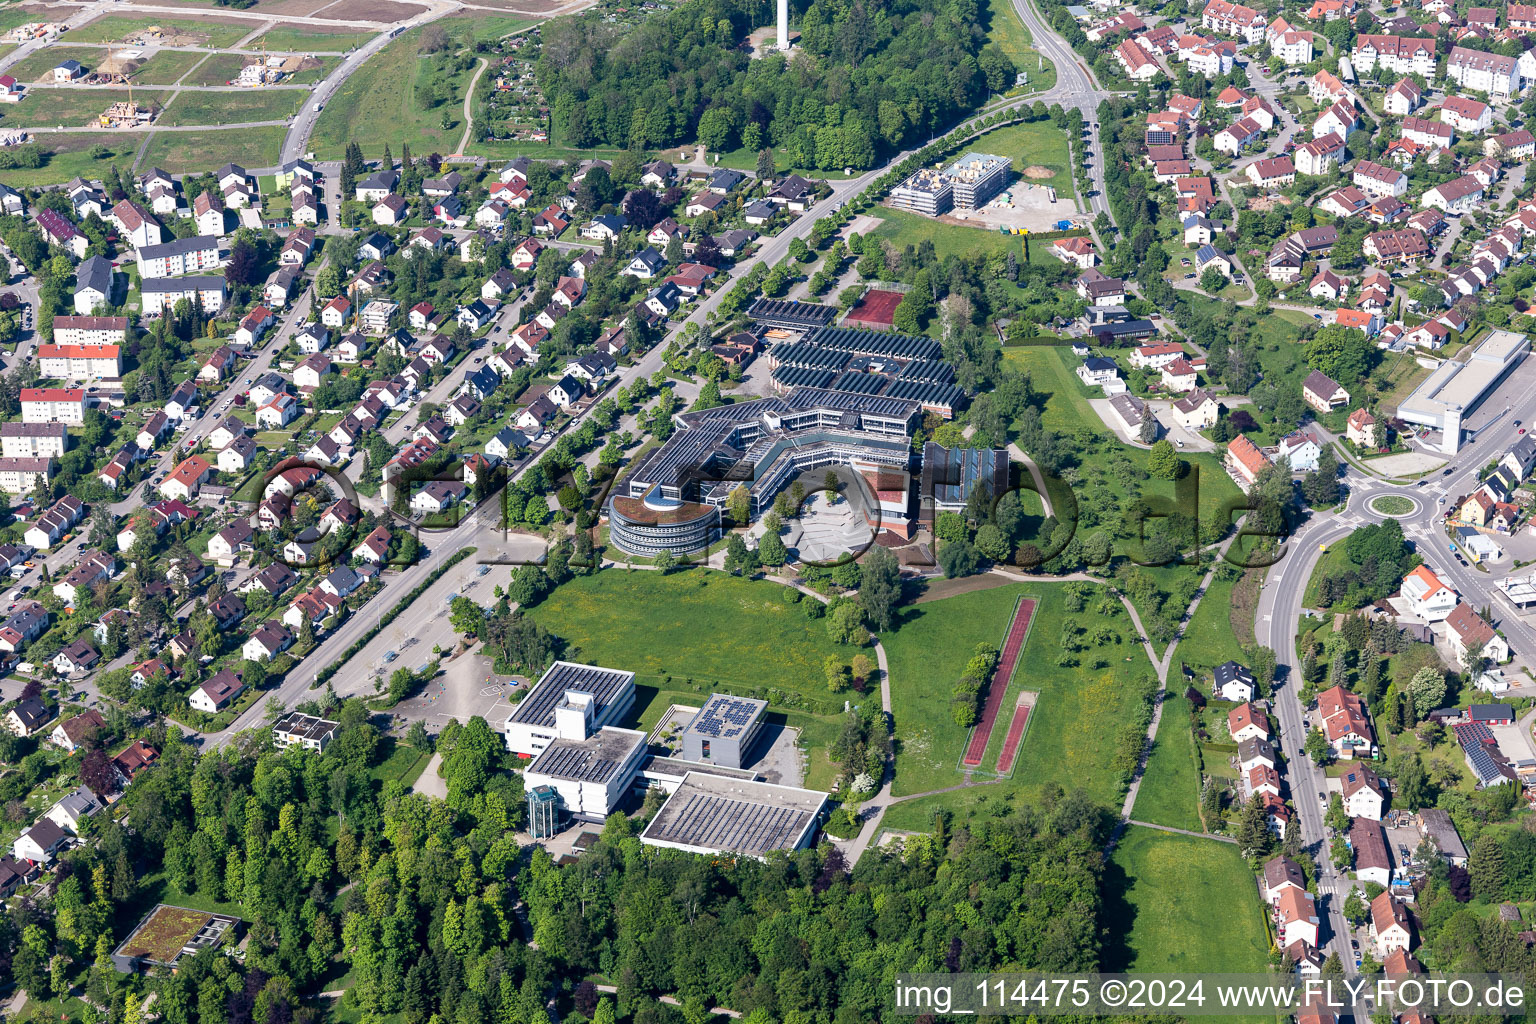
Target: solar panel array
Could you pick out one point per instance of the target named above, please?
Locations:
(859, 383)
(792, 314)
(1482, 762)
(574, 761)
(604, 684)
(725, 716)
(1473, 732)
(724, 823)
(876, 343)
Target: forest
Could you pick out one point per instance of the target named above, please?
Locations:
(415, 899)
(868, 79)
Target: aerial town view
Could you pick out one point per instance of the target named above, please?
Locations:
(795, 512)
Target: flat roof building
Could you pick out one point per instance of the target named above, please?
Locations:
(1456, 388)
(304, 730)
(724, 730)
(928, 191)
(713, 814)
(569, 701)
(950, 475)
(591, 776)
(167, 933)
(977, 177)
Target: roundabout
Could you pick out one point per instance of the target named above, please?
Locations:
(1392, 506)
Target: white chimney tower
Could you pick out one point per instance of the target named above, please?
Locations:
(784, 25)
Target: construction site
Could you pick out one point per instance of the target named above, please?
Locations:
(270, 70)
(45, 30)
(129, 114)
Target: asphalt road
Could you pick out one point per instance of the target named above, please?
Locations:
(1075, 87)
(1282, 599)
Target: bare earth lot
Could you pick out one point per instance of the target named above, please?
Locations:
(370, 10)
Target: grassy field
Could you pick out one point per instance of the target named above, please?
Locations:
(114, 27)
(1071, 731)
(1170, 789)
(306, 40)
(1008, 33)
(221, 68)
(215, 108)
(72, 155)
(1038, 143)
(181, 152)
(472, 26)
(901, 229)
(218, 69)
(167, 67)
(1210, 640)
(700, 627)
(46, 108)
(378, 104)
(1161, 907)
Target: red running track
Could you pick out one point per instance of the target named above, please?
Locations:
(1018, 629)
(1015, 733)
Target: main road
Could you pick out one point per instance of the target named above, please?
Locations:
(1075, 86)
(1283, 595)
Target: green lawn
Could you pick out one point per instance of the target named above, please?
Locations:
(114, 27)
(310, 40)
(902, 229)
(404, 762)
(379, 104)
(1209, 640)
(166, 67)
(181, 152)
(216, 108)
(1170, 789)
(221, 68)
(1179, 904)
(1072, 729)
(1038, 143)
(687, 628)
(41, 64)
(75, 155)
(46, 108)
(218, 69)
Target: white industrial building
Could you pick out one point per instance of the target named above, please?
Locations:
(569, 700)
(1455, 389)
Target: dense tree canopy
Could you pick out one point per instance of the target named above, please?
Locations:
(869, 79)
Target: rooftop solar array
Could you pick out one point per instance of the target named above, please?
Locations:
(1470, 733)
(808, 356)
(859, 383)
(934, 370)
(712, 813)
(868, 405)
(712, 443)
(725, 716)
(875, 343)
(604, 684)
(594, 759)
(799, 315)
(869, 363)
(1483, 763)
